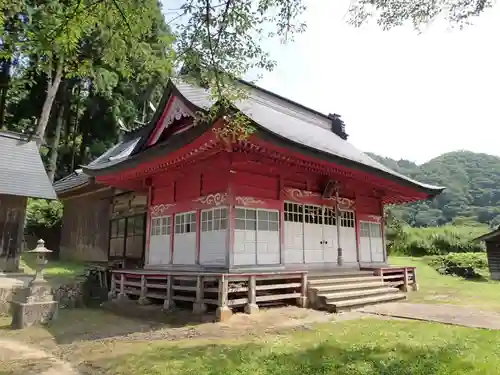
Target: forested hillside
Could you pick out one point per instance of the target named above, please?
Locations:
(472, 192)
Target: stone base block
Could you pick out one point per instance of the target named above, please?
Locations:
(144, 301)
(122, 297)
(168, 305)
(251, 308)
(199, 308)
(27, 314)
(302, 302)
(414, 287)
(223, 313)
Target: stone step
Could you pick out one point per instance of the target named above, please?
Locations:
(340, 296)
(347, 287)
(349, 304)
(343, 280)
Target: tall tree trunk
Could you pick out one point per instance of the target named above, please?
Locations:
(53, 86)
(5, 65)
(75, 128)
(55, 141)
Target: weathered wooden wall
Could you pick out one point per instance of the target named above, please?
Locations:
(12, 213)
(493, 251)
(85, 227)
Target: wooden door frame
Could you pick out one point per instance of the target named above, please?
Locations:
(125, 235)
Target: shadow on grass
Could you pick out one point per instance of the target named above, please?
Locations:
(83, 324)
(328, 357)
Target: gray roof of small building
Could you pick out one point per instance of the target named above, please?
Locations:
(21, 168)
(76, 179)
(493, 235)
(286, 120)
(114, 155)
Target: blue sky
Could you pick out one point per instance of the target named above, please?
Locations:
(401, 94)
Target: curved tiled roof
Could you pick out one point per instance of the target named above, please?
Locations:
(297, 124)
(289, 121)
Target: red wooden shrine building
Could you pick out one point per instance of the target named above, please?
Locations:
(295, 194)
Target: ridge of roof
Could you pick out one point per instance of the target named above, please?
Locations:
(290, 101)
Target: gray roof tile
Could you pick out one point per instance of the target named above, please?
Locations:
(21, 169)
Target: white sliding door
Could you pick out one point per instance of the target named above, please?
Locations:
(245, 237)
(268, 237)
(348, 237)
(313, 233)
(185, 238)
(376, 242)
(256, 237)
(294, 233)
(330, 242)
(371, 244)
(213, 236)
(159, 241)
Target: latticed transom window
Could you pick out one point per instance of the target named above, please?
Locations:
(375, 230)
(330, 216)
(185, 222)
(364, 229)
(268, 220)
(161, 226)
(313, 214)
(246, 219)
(347, 219)
(294, 212)
(214, 219)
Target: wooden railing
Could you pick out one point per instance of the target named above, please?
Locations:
(404, 278)
(223, 291)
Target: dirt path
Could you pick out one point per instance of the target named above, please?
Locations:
(18, 358)
(447, 314)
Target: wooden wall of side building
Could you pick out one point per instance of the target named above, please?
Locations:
(12, 214)
(85, 227)
(493, 252)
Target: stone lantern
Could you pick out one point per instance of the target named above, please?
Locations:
(41, 260)
(35, 303)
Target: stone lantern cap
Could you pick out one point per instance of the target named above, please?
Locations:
(40, 248)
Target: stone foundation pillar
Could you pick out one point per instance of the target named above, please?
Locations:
(33, 305)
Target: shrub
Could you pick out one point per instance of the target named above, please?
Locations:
(466, 265)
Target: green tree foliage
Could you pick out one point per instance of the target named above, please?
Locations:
(472, 192)
(43, 214)
(392, 13)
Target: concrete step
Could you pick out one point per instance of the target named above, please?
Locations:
(349, 304)
(353, 294)
(343, 280)
(346, 287)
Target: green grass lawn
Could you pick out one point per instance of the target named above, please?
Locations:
(437, 288)
(356, 347)
(376, 347)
